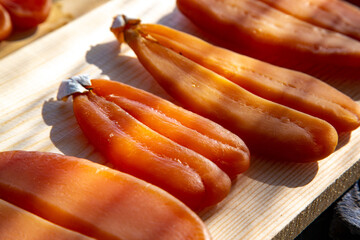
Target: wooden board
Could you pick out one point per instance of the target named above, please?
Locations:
(272, 200)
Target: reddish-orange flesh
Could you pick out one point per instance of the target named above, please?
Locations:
(259, 30)
(132, 147)
(266, 127)
(199, 134)
(27, 13)
(287, 87)
(16, 223)
(336, 15)
(94, 200)
(5, 23)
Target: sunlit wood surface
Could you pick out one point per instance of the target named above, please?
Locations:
(272, 200)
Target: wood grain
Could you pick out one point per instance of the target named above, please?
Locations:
(272, 200)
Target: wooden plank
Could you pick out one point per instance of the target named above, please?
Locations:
(272, 200)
